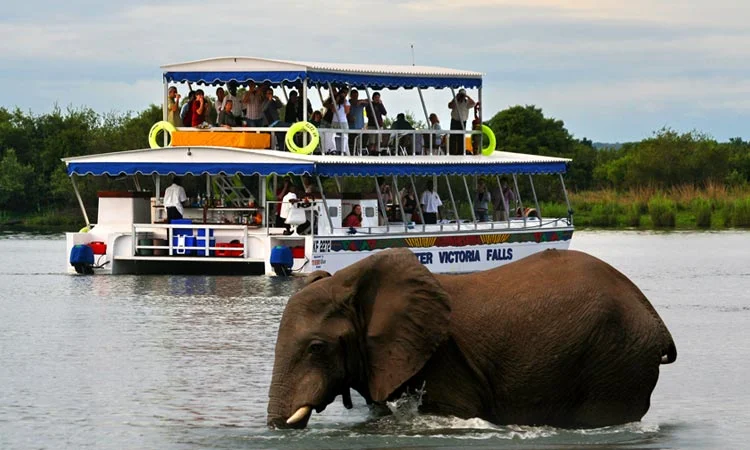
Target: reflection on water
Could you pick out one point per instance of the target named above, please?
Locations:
(185, 361)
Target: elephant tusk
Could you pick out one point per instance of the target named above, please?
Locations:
(299, 415)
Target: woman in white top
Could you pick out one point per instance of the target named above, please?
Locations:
(340, 112)
(437, 138)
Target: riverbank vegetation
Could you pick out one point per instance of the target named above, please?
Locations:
(671, 180)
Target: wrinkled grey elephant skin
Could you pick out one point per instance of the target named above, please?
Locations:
(559, 338)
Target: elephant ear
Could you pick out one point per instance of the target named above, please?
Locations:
(406, 315)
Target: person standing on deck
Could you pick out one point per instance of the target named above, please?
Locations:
(198, 109)
(482, 204)
(460, 107)
(356, 116)
(375, 121)
(173, 107)
(219, 105)
(174, 197)
(430, 204)
(341, 110)
(252, 101)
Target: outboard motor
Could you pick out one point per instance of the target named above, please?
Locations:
(281, 260)
(82, 259)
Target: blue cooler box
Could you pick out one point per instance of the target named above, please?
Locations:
(183, 231)
(202, 241)
(180, 242)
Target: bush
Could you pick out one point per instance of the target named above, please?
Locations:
(702, 210)
(552, 209)
(604, 214)
(740, 213)
(662, 211)
(633, 215)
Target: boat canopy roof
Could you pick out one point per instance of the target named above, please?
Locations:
(241, 70)
(230, 161)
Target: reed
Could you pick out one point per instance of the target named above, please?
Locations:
(663, 211)
(702, 209)
(740, 213)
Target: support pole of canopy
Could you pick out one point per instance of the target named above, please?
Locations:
(262, 197)
(382, 206)
(157, 187)
(471, 204)
(502, 197)
(80, 201)
(536, 202)
(518, 199)
(419, 206)
(338, 184)
(283, 91)
(325, 203)
(426, 118)
(453, 202)
(400, 204)
(304, 110)
(567, 201)
(481, 121)
(165, 109)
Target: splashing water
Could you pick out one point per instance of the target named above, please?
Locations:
(406, 407)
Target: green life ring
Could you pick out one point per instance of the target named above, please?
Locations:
(296, 128)
(491, 141)
(164, 126)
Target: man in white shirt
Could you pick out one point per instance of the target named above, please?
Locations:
(460, 107)
(430, 204)
(286, 207)
(174, 197)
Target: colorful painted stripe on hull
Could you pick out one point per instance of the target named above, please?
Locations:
(369, 244)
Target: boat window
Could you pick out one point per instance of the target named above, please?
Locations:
(333, 211)
(369, 211)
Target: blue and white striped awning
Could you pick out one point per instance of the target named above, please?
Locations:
(260, 70)
(229, 161)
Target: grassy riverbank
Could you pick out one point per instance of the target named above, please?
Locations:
(683, 207)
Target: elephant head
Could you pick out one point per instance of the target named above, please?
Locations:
(370, 327)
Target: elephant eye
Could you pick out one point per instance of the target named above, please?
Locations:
(316, 347)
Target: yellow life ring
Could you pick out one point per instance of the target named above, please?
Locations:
(296, 128)
(164, 126)
(491, 141)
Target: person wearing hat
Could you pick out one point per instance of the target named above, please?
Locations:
(460, 107)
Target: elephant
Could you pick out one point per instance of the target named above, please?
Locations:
(558, 338)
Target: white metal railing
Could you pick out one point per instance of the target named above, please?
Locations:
(150, 231)
(399, 227)
(398, 142)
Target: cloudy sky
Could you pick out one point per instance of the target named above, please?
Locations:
(613, 70)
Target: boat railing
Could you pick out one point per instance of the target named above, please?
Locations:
(388, 143)
(320, 224)
(203, 234)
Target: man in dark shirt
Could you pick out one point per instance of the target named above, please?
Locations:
(375, 121)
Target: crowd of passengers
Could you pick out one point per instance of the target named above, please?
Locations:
(343, 109)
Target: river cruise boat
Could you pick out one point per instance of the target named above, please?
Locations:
(234, 177)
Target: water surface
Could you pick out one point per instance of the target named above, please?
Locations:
(185, 362)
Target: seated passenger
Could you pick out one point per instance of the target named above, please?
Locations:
(226, 118)
(354, 219)
(403, 140)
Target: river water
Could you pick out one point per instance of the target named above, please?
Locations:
(173, 362)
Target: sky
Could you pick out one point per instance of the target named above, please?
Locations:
(612, 70)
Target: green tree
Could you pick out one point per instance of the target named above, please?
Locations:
(16, 182)
(524, 129)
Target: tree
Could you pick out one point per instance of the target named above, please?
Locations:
(16, 182)
(524, 129)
